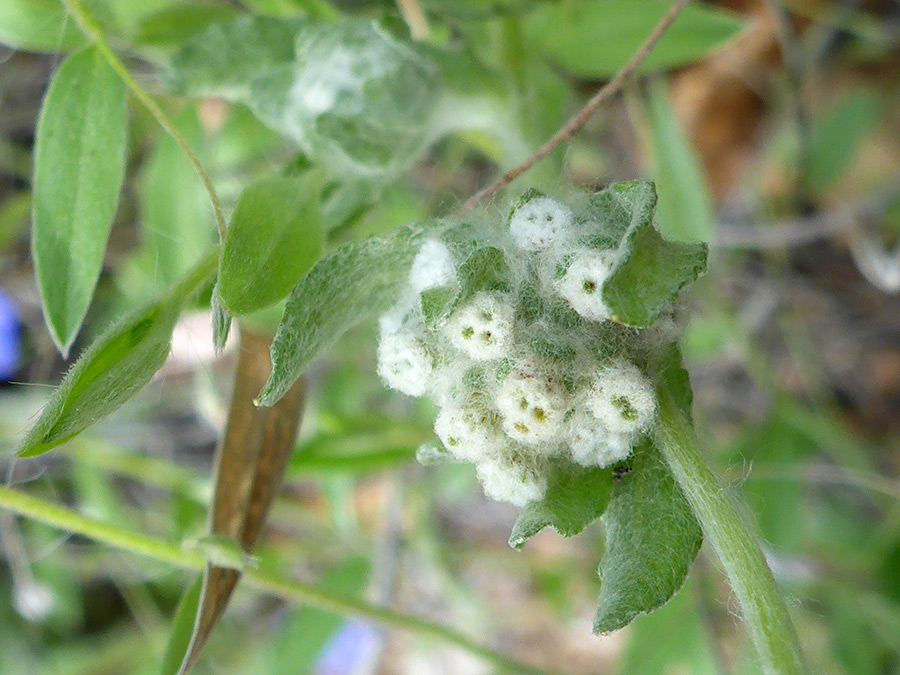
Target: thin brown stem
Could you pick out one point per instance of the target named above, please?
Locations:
(578, 121)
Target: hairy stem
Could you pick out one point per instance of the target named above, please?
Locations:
(573, 125)
(737, 548)
(168, 552)
(94, 31)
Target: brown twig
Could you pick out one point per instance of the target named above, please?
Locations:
(573, 125)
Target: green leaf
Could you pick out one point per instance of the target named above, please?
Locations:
(176, 219)
(275, 236)
(595, 39)
(225, 57)
(357, 281)
(221, 321)
(837, 136)
(576, 496)
(115, 366)
(652, 539)
(173, 26)
(484, 270)
(685, 211)
(38, 26)
(649, 271)
(78, 170)
(182, 628)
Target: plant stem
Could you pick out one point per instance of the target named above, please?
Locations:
(737, 548)
(94, 31)
(573, 125)
(168, 552)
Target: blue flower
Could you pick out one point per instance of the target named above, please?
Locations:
(10, 337)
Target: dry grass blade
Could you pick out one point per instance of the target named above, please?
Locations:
(249, 469)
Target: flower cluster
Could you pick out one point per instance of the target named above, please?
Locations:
(507, 331)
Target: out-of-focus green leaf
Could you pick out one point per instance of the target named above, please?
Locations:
(78, 171)
(14, 212)
(221, 321)
(224, 57)
(115, 366)
(594, 38)
(173, 26)
(38, 26)
(684, 211)
(837, 136)
(299, 643)
(275, 236)
(669, 640)
(652, 539)
(576, 496)
(649, 271)
(357, 281)
(176, 218)
(182, 628)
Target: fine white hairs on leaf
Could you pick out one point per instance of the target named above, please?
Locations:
(582, 284)
(512, 478)
(404, 361)
(467, 431)
(433, 266)
(622, 399)
(532, 404)
(482, 327)
(540, 223)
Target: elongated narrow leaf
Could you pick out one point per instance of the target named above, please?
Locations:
(685, 210)
(38, 26)
(78, 170)
(652, 539)
(182, 628)
(576, 496)
(275, 236)
(649, 271)
(250, 464)
(114, 367)
(357, 281)
(595, 39)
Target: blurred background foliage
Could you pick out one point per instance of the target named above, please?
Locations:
(773, 131)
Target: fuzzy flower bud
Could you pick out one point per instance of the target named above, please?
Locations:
(512, 478)
(532, 404)
(540, 223)
(482, 328)
(582, 284)
(433, 266)
(468, 432)
(591, 444)
(404, 361)
(622, 399)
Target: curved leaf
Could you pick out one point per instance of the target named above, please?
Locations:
(78, 170)
(38, 26)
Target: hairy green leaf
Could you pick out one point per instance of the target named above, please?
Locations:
(649, 271)
(78, 171)
(38, 26)
(275, 236)
(685, 210)
(173, 26)
(357, 281)
(115, 366)
(221, 321)
(223, 58)
(576, 496)
(595, 39)
(652, 539)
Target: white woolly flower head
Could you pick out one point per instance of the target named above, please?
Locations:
(582, 284)
(433, 266)
(532, 402)
(622, 398)
(539, 223)
(468, 431)
(405, 362)
(513, 478)
(591, 443)
(483, 326)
